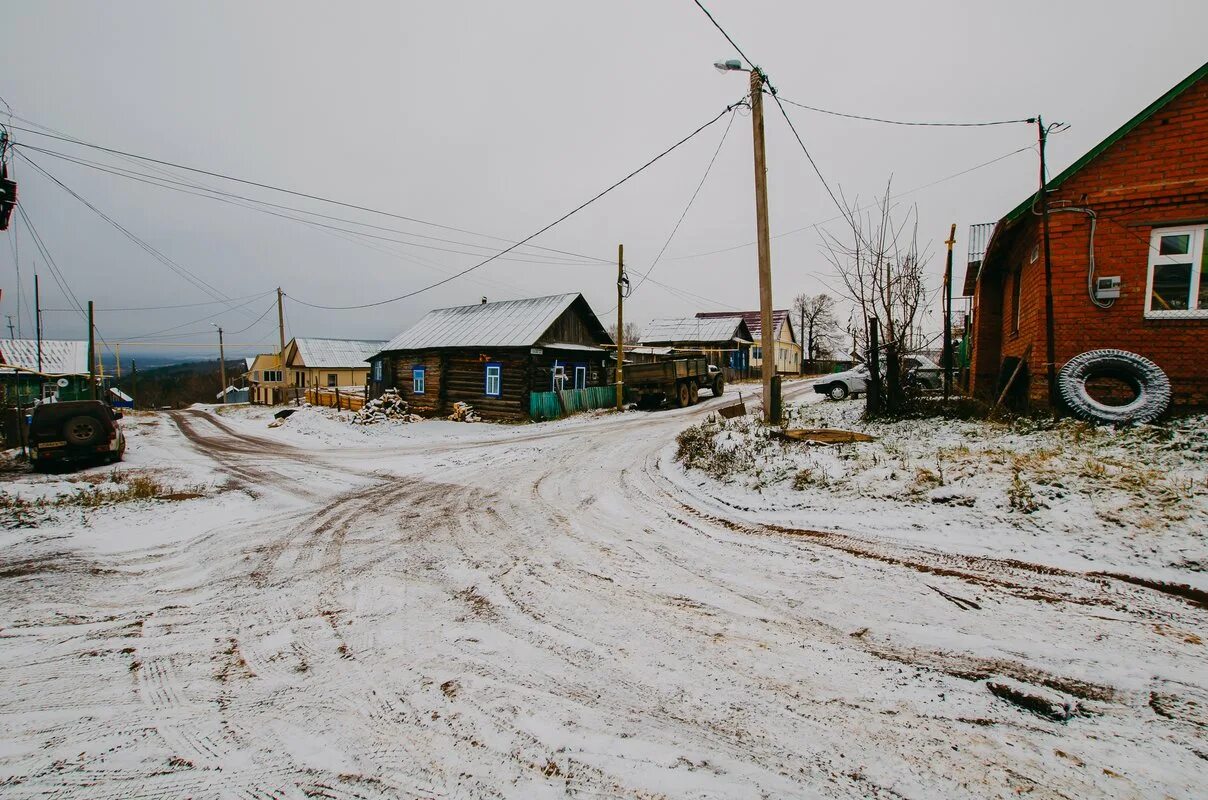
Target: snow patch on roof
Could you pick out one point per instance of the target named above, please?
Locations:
(694, 329)
(508, 323)
(336, 353)
(58, 357)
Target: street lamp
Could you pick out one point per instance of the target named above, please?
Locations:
(771, 405)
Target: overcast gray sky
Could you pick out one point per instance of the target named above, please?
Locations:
(499, 117)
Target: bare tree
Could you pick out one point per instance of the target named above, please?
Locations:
(632, 333)
(881, 267)
(819, 328)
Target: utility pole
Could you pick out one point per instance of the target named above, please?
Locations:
(767, 341)
(281, 335)
(622, 285)
(1050, 344)
(117, 359)
(222, 364)
(946, 357)
(38, 317)
(91, 353)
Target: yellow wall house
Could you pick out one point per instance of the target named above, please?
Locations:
(265, 381)
(312, 363)
(788, 349)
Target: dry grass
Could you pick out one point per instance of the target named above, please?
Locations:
(96, 490)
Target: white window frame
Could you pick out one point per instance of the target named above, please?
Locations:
(580, 384)
(557, 380)
(493, 374)
(1195, 255)
(419, 379)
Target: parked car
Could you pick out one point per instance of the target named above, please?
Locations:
(842, 384)
(76, 431)
(920, 371)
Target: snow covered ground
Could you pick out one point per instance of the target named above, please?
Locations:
(459, 610)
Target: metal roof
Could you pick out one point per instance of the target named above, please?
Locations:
(58, 357)
(754, 320)
(507, 323)
(695, 329)
(335, 353)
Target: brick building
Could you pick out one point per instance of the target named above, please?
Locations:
(1134, 207)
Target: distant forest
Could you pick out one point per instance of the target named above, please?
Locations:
(178, 385)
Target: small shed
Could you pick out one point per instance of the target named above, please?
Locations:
(725, 341)
(495, 356)
(233, 394)
(119, 399)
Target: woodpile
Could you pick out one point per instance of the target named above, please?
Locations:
(464, 412)
(389, 407)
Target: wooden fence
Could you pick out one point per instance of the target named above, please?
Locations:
(351, 398)
(552, 405)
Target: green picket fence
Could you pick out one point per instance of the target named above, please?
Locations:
(552, 405)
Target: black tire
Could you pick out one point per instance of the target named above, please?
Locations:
(719, 386)
(837, 391)
(682, 398)
(693, 393)
(1145, 377)
(83, 430)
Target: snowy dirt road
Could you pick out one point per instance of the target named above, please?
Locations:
(551, 611)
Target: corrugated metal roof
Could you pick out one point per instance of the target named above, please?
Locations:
(693, 329)
(754, 319)
(58, 357)
(508, 323)
(336, 353)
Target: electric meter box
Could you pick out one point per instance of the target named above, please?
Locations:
(1107, 288)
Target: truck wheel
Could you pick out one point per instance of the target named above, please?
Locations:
(837, 391)
(1146, 378)
(719, 386)
(682, 397)
(693, 393)
(82, 430)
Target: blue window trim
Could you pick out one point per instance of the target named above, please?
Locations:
(423, 379)
(486, 379)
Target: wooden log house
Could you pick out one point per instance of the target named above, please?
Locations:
(494, 355)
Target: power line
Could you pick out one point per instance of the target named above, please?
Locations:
(162, 308)
(813, 225)
(910, 124)
(55, 272)
(722, 30)
(152, 251)
(205, 318)
(271, 187)
(560, 219)
(215, 194)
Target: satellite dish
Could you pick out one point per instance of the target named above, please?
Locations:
(63, 383)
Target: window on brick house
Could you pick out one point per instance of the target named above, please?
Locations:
(1016, 285)
(1177, 285)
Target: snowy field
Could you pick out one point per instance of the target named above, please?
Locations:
(450, 610)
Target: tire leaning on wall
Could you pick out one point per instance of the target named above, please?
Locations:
(1145, 377)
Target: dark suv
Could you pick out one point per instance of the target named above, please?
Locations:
(75, 431)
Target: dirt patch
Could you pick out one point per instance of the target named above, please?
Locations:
(450, 689)
(1197, 597)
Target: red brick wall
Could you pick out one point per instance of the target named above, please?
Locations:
(1156, 176)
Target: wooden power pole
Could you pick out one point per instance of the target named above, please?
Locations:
(222, 365)
(946, 357)
(38, 318)
(622, 284)
(1049, 326)
(766, 334)
(91, 352)
(281, 335)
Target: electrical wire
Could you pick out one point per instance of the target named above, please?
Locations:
(722, 30)
(531, 236)
(215, 194)
(180, 270)
(318, 198)
(207, 318)
(55, 272)
(897, 196)
(910, 124)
